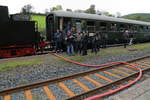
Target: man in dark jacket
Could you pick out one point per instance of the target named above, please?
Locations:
(70, 41)
(94, 43)
(63, 43)
(125, 37)
(84, 43)
(58, 40)
(131, 37)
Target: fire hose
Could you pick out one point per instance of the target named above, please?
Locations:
(110, 63)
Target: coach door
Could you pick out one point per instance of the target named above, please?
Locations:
(50, 26)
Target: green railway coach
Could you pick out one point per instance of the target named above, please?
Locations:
(113, 27)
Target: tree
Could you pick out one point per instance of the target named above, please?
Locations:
(26, 9)
(69, 10)
(137, 17)
(91, 10)
(98, 12)
(107, 14)
(58, 7)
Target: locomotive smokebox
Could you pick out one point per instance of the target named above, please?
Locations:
(4, 15)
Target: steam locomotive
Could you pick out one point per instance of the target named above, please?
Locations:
(18, 37)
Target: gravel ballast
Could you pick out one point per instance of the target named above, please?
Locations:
(54, 69)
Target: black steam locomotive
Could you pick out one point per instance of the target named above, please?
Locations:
(17, 37)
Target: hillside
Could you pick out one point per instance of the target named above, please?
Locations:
(138, 16)
(41, 19)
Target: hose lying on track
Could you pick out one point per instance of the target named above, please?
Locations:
(112, 91)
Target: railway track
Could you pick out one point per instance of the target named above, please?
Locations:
(81, 85)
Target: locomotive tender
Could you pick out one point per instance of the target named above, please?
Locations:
(93, 23)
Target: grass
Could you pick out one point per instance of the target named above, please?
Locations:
(36, 98)
(4, 66)
(104, 52)
(141, 46)
(41, 21)
(91, 55)
(13, 64)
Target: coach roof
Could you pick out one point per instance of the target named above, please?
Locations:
(96, 17)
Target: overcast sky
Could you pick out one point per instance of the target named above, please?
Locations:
(112, 6)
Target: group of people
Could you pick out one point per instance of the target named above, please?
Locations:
(78, 42)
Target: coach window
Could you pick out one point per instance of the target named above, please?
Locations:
(103, 26)
(148, 28)
(67, 24)
(135, 28)
(60, 23)
(130, 27)
(78, 25)
(141, 28)
(122, 27)
(113, 27)
(144, 28)
(91, 26)
(83, 25)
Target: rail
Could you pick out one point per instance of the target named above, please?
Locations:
(114, 74)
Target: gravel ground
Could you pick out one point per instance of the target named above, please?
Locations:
(18, 96)
(54, 69)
